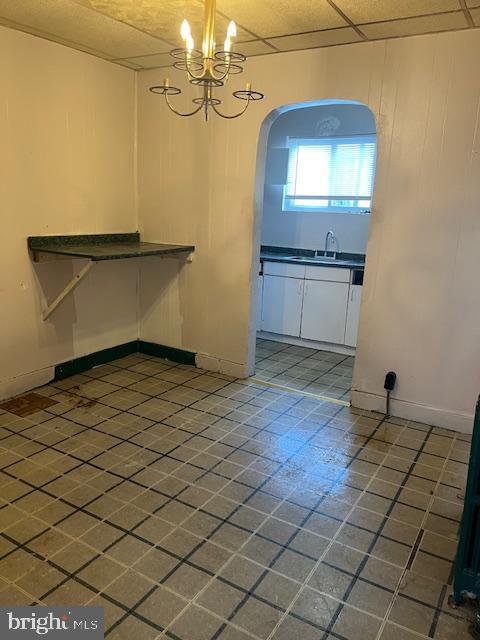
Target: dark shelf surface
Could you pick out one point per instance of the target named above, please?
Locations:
(110, 246)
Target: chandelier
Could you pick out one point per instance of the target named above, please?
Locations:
(208, 68)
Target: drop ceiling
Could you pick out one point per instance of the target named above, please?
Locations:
(140, 33)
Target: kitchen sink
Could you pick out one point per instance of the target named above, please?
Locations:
(325, 260)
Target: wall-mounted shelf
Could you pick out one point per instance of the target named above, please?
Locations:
(98, 248)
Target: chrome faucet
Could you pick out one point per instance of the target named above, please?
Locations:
(331, 236)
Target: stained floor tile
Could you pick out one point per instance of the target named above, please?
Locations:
(194, 506)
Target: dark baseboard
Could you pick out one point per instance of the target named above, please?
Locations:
(160, 351)
(78, 365)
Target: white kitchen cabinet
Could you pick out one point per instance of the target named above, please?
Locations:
(324, 311)
(353, 315)
(333, 274)
(284, 269)
(282, 305)
(259, 302)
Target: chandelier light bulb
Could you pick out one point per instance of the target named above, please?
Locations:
(231, 33)
(185, 30)
(232, 29)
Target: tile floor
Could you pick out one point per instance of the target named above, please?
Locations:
(193, 506)
(321, 372)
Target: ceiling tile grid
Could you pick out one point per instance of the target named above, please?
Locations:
(139, 34)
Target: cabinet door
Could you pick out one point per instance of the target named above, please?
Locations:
(324, 311)
(353, 315)
(259, 302)
(282, 305)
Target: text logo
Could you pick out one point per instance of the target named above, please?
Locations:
(57, 623)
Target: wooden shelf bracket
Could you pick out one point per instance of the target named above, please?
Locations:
(47, 312)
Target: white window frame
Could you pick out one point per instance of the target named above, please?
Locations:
(289, 207)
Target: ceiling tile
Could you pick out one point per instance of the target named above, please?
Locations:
(415, 26)
(162, 19)
(140, 33)
(253, 48)
(153, 61)
(475, 13)
(281, 17)
(360, 11)
(316, 39)
(77, 24)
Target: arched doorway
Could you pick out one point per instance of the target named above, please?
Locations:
(314, 186)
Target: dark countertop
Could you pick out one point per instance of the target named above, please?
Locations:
(96, 247)
(309, 260)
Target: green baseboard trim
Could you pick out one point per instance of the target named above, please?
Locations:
(161, 351)
(78, 365)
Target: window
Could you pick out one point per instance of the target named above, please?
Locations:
(330, 174)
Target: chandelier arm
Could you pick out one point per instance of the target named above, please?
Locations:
(191, 74)
(224, 75)
(236, 115)
(207, 68)
(184, 115)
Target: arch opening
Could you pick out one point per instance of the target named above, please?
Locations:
(315, 175)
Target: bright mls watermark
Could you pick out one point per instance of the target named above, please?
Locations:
(57, 623)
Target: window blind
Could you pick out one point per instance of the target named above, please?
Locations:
(332, 174)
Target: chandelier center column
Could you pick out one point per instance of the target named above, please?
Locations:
(209, 33)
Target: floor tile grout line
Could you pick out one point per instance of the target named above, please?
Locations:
(140, 523)
(275, 558)
(152, 425)
(284, 376)
(303, 392)
(285, 372)
(68, 575)
(272, 473)
(421, 527)
(376, 536)
(194, 599)
(123, 440)
(319, 561)
(115, 543)
(87, 461)
(127, 503)
(326, 551)
(120, 483)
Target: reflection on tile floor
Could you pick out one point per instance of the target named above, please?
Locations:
(196, 507)
(321, 372)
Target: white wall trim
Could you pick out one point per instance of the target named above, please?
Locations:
(25, 382)
(444, 418)
(212, 363)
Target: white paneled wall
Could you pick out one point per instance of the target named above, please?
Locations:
(67, 132)
(420, 313)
